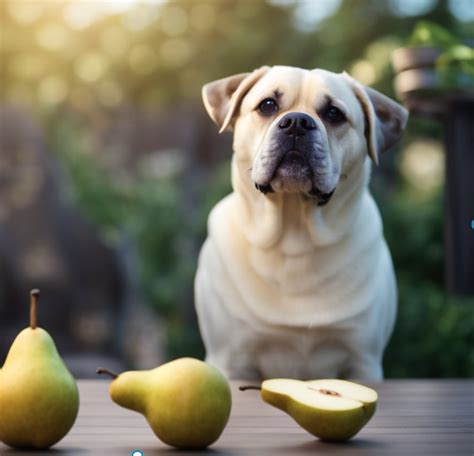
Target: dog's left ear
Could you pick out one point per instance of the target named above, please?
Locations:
(385, 119)
(222, 98)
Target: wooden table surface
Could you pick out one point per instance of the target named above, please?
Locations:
(414, 417)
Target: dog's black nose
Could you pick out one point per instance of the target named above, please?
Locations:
(297, 123)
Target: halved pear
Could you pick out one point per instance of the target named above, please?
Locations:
(330, 409)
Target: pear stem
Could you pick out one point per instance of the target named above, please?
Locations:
(101, 370)
(34, 298)
(249, 387)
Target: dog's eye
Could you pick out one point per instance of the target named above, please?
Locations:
(333, 115)
(268, 107)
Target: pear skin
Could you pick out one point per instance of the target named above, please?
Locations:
(39, 399)
(186, 402)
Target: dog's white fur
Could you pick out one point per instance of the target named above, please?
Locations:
(284, 287)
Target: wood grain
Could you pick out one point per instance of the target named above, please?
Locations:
(414, 417)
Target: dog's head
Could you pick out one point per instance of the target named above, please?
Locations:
(301, 130)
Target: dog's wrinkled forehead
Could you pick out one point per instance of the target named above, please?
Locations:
(299, 89)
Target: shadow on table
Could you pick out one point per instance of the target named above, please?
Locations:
(314, 445)
(177, 452)
(50, 452)
(310, 447)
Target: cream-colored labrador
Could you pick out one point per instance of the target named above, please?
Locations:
(295, 278)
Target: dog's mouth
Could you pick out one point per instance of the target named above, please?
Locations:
(294, 165)
(294, 173)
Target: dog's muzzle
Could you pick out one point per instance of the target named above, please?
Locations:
(293, 156)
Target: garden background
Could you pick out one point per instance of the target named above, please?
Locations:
(104, 137)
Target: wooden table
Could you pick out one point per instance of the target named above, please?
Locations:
(414, 417)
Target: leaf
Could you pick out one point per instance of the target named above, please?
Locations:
(429, 34)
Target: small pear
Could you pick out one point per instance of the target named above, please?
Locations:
(330, 409)
(39, 399)
(187, 402)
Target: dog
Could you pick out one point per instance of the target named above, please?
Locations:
(295, 278)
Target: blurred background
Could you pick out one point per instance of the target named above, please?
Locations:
(109, 166)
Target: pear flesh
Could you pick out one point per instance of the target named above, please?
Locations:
(187, 402)
(39, 399)
(330, 409)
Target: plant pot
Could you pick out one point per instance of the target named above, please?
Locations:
(408, 58)
(416, 79)
(423, 85)
(415, 68)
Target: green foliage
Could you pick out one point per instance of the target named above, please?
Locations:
(147, 208)
(434, 333)
(455, 65)
(429, 34)
(149, 211)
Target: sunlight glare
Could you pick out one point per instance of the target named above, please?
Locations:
(422, 164)
(81, 14)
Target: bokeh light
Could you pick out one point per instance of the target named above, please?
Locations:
(422, 164)
(114, 41)
(52, 90)
(91, 66)
(202, 17)
(52, 37)
(463, 10)
(307, 14)
(174, 21)
(25, 13)
(363, 71)
(142, 58)
(175, 52)
(412, 7)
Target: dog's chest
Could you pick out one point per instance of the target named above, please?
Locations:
(309, 353)
(317, 286)
(295, 239)
(287, 263)
(287, 273)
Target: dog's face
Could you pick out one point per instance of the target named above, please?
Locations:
(300, 130)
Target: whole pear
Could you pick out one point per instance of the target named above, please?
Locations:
(330, 409)
(39, 399)
(187, 402)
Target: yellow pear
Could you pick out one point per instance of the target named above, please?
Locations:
(330, 409)
(187, 402)
(39, 399)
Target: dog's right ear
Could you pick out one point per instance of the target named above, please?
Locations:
(385, 119)
(222, 98)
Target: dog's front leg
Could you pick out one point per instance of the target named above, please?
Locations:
(224, 336)
(365, 369)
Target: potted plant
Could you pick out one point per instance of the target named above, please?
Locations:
(434, 62)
